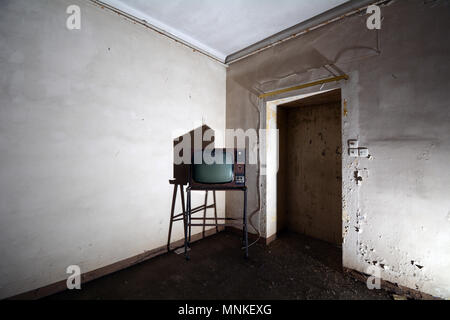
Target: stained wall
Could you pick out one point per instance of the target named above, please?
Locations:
(396, 104)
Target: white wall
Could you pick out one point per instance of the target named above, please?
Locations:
(86, 124)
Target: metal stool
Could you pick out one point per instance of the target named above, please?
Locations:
(183, 216)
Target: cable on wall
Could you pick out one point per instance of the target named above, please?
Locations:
(258, 173)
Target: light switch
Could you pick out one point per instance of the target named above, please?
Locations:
(353, 152)
(353, 143)
(363, 152)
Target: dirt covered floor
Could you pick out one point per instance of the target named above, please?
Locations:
(291, 267)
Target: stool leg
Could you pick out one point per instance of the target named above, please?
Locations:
(183, 206)
(172, 210)
(215, 210)
(204, 213)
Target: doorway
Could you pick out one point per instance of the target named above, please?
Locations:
(309, 178)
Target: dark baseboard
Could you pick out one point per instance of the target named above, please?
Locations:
(392, 287)
(97, 273)
(271, 238)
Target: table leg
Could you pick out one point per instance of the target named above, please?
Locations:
(186, 217)
(215, 210)
(245, 224)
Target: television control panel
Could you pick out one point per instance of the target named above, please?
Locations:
(239, 180)
(239, 168)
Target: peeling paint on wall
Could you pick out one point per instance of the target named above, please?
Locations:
(401, 118)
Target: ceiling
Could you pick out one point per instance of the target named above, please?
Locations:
(223, 27)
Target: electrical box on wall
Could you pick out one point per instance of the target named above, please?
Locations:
(363, 152)
(353, 152)
(353, 144)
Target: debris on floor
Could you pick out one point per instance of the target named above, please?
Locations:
(283, 270)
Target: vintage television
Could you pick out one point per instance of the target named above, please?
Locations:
(226, 172)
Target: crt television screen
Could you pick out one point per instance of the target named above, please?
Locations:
(220, 171)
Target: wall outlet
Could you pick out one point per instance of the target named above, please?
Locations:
(363, 152)
(353, 152)
(361, 175)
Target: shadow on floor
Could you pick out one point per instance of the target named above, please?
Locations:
(291, 267)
